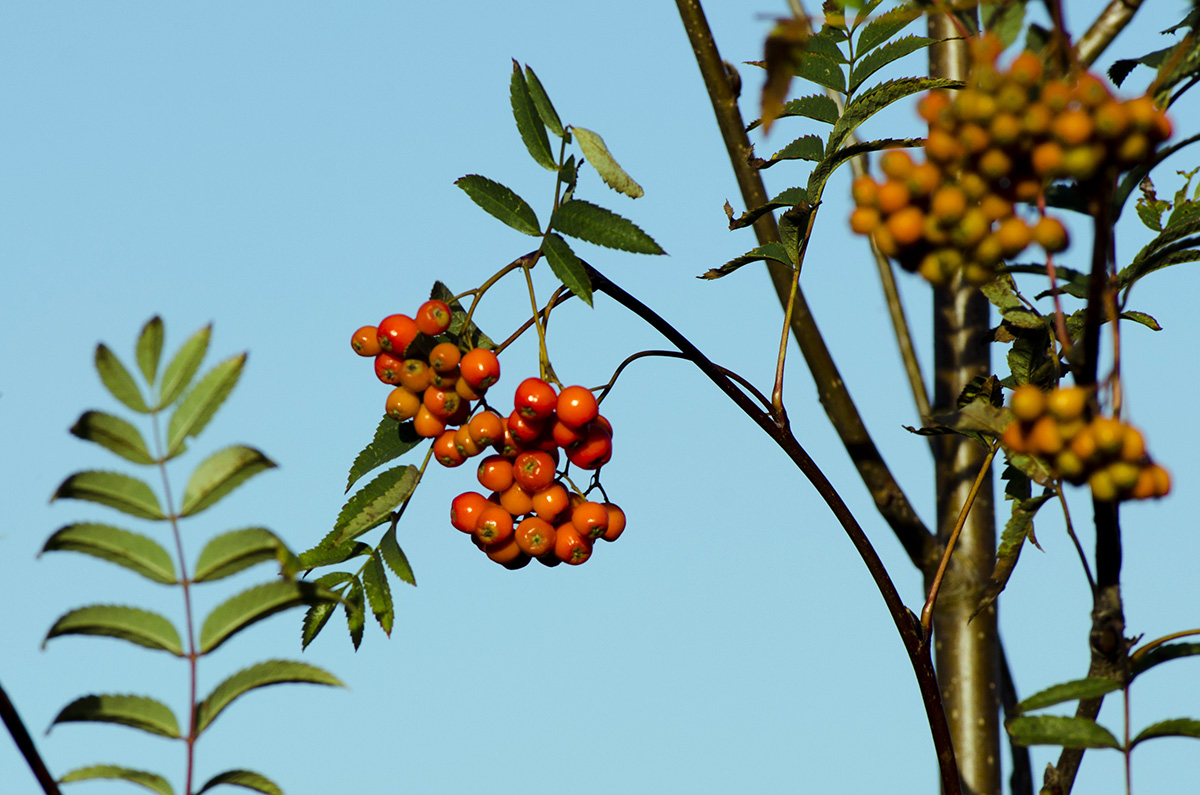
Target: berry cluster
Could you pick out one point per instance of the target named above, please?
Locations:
(435, 382)
(998, 141)
(1105, 453)
(530, 513)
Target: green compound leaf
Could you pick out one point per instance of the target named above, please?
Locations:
(886, 25)
(243, 778)
(123, 492)
(194, 413)
(395, 558)
(1019, 527)
(142, 627)
(237, 550)
(820, 174)
(878, 97)
(151, 781)
(458, 317)
(118, 380)
(806, 147)
(603, 227)
(221, 473)
(771, 251)
(149, 348)
(1176, 727)
(787, 198)
(379, 593)
(567, 267)
(131, 550)
(385, 446)
(1162, 654)
(1092, 687)
(529, 122)
(818, 107)
(542, 102)
(183, 366)
(138, 712)
(822, 70)
(327, 556)
(235, 614)
(1056, 730)
(501, 203)
(318, 615)
(373, 503)
(893, 50)
(356, 614)
(113, 433)
(864, 12)
(596, 153)
(264, 674)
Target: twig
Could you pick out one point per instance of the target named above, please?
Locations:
(20, 735)
(1111, 21)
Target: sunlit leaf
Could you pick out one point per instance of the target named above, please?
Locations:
(385, 446)
(781, 52)
(138, 712)
(327, 556)
(131, 550)
(593, 148)
(113, 433)
(255, 604)
(864, 11)
(1092, 687)
(379, 593)
(238, 550)
(567, 267)
(264, 674)
(247, 779)
(194, 413)
(886, 25)
(151, 781)
(395, 558)
(878, 97)
(892, 51)
(771, 251)
(1056, 730)
(501, 203)
(142, 627)
(529, 122)
(149, 348)
(603, 227)
(542, 102)
(118, 380)
(1002, 294)
(221, 473)
(818, 107)
(183, 366)
(806, 147)
(123, 492)
(373, 503)
(1176, 727)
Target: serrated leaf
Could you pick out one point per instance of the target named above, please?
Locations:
(131, 550)
(356, 614)
(501, 203)
(183, 366)
(327, 556)
(1141, 317)
(395, 558)
(373, 503)
(151, 781)
(458, 317)
(118, 381)
(818, 107)
(793, 226)
(142, 627)
(1176, 727)
(1004, 20)
(878, 97)
(264, 674)
(821, 69)
(892, 51)
(243, 778)
(114, 434)
(202, 402)
(864, 12)
(820, 174)
(219, 474)
(240, 611)
(1028, 357)
(603, 227)
(137, 712)
(1001, 294)
(1150, 213)
(886, 25)
(379, 593)
(1161, 654)
(149, 348)
(567, 267)
(1056, 730)
(1018, 528)
(771, 251)
(806, 147)
(1163, 259)
(123, 492)
(542, 102)
(787, 198)
(596, 153)
(529, 123)
(318, 615)
(238, 550)
(1092, 687)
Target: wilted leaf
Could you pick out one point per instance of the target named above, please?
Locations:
(118, 380)
(603, 227)
(264, 674)
(219, 474)
(142, 627)
(194, 413)
(113, 433)
(593, 148)
(131, 550)
(567, 267)
(184, 366)
(138, 712)
(1055, 730)
(126, 494)
(501, 203)
(151, 781)
(240, 611)
(529, 123)
(786, 198)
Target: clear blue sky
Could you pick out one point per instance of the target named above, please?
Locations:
(285, 171)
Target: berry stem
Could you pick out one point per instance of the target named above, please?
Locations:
(560, 295)
(749, 387)
(1062, 499)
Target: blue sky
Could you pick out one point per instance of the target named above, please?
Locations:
(285, 171)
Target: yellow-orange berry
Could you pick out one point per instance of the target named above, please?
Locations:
(1067, 403)
(948, 203)
(1026, 69)
(893, 196)
(905, 225)
(1050, 234)
(994, 164)
(1072, 127)
(1013, 236)
(864, 220)
(865, 191)
(1047, 160)
(924, 179)
(1045, 437)
(1027, 403)
(896, 164)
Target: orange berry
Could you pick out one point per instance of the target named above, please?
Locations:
(494, 525)
(1026, 69)
(1050, 234)
(444, 357)
(942, 147)
(893, 196)
(1072, 127)
(590, 519)
(365, 341)
(1013, 236)
(896, 164)
(905, 226)
(924, 179)
(994, 164)
(1047, 160)
(1027, 403)
(865, 191)
(402, 405)
(616, 522)
(948, 204)
(864, 220)
(931, 106)
(445, 452)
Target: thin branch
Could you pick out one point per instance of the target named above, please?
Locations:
(20, 735)
(749, 387)
(1111, 21)
(1021, 780)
